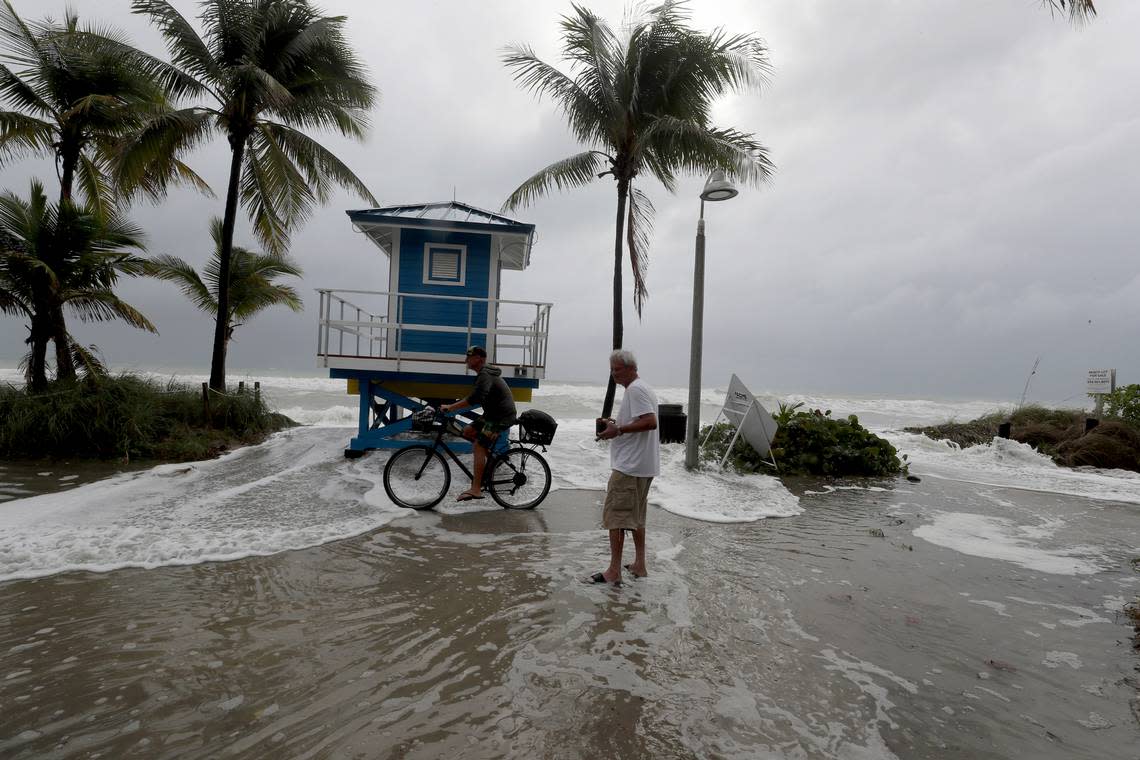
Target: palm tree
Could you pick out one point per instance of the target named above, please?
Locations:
(64, 256)
(73, 94)
(251, 284)
(641, 103)
(272, 67)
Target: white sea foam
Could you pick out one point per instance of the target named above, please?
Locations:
(581, 462)
(1002, 539)
(333, 416)
(1054, 659)
(1009, 464)
(294, 491)
(297, 490)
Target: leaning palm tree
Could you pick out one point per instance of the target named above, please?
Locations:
(61, 257)
(272, 67)
(251, 281)
(641, 103)
(73, 93)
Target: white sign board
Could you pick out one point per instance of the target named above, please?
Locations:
(1101, 381)
(749, 417)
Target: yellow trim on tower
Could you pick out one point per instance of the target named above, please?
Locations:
(435, 390)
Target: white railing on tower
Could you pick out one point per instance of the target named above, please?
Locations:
(365, 324)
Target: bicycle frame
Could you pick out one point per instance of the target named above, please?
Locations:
(502, 445)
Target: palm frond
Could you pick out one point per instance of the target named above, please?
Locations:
(22, 135)
(187, 50)
(588, 119)
(575, 171)
(147, 161)
(174, 269)
(11, 303)
(589, 43)
(639, 231)
(254, 289)
(168, 79)
(86, 358)
(1078, 11)
(105, 306)
(260, 86)
(19, 267)
(96, 187)
(274, 192)
(19, 93)
(318, 163)
(675, 145)
(22, 40)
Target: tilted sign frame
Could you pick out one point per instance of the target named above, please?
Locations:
(750, 419)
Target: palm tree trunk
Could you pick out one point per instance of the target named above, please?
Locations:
(37, 367)
(69, 159)
(619, 236)
(64, 364)
(221, 325)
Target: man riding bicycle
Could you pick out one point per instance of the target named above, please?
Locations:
(493, 393)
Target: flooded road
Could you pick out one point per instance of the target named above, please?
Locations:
(864, 627)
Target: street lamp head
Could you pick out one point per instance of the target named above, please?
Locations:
(718, 188)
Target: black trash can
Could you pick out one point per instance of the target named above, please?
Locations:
(670, 423)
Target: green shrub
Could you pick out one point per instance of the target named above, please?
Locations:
(1124, 404)
(810, 443)
(128, 417)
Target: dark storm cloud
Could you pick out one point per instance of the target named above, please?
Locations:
(953, 199)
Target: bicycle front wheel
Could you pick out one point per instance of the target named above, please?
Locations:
(520, 479)
(417, 477)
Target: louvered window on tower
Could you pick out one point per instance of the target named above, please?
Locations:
(444, 265)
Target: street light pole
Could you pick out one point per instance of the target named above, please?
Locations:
(693, 422)
(717, 188)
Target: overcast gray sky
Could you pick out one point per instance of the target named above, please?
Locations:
(956, 195)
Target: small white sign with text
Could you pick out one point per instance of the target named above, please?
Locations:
(1101, 381)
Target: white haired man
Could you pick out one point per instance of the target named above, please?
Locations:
(635, 459)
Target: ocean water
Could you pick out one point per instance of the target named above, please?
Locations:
(273, 602)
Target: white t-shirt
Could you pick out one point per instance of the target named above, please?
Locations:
(637, 454)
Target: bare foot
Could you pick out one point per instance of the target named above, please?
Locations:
(638, 571)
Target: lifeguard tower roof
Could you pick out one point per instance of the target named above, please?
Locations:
(511, 240)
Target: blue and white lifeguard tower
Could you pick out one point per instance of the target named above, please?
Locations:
(405, 347)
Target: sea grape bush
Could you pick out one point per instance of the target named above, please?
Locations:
(1124, 404)
(810, 443)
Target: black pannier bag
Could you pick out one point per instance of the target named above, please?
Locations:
(424, 421)
(537, 427)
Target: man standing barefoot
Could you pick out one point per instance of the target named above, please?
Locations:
(635, 459)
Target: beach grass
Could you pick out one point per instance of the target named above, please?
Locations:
(130, 417)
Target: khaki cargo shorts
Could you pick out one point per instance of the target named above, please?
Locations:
(627, 497)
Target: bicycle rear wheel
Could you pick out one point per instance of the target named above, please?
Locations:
(520, 479)
(417, 477)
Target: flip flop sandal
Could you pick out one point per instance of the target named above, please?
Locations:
(466, 496)
(600, 578)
